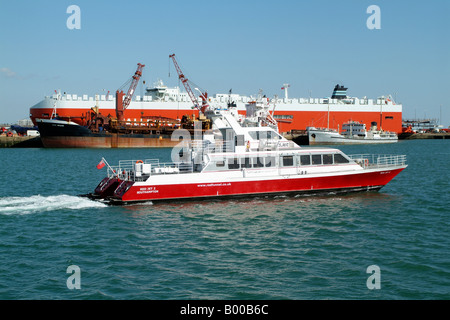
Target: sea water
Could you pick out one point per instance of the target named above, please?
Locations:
(391, 244)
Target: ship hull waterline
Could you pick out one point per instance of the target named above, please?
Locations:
(109, 141)
(340, 141)
(300, 119)
(67, 134)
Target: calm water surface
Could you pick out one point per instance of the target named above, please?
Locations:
(262, 248)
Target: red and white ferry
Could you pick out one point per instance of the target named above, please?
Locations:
(252, 160)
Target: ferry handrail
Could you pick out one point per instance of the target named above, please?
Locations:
(378, 160)
(131, 170)
(274, 144)
(218, 146)
(224, 146)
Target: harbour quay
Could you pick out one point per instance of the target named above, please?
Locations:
(20, 142)
(428, 135)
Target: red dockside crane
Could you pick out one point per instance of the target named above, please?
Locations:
(122, 104)
(185, 82)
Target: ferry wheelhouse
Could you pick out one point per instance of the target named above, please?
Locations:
(238, 160)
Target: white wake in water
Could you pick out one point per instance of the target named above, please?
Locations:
(38, 203)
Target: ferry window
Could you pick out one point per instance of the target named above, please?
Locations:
(245, 163)
(288, 161)
(254, 135)
(258, 162)
(273, 135)
(327, 159)
(266, 134)
(339, 158)
(270, 161)
(262, 135)
(239, 140)
(233, 164)
(305, 160)
(389, 117)
(220, 164)
(316, 159)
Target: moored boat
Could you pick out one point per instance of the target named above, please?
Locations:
(57, 133)
(106, 131)
(353, 132)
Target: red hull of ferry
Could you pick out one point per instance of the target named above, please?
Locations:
(339, 183)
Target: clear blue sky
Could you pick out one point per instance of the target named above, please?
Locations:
(244, 45)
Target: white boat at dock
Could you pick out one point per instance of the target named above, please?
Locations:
(352, 133)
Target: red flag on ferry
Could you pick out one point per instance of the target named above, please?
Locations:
(101, 164)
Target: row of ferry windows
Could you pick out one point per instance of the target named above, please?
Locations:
(285, 161)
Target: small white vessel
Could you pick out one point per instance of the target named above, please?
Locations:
(352, 133)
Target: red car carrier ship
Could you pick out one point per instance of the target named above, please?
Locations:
(170, 102)
(244, 157)
(149, 118)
